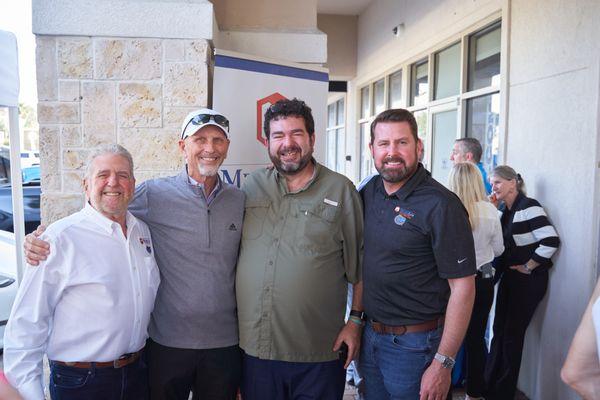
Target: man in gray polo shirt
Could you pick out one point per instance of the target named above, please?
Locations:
(196, 222)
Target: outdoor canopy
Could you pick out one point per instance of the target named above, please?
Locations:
(9, 97)
(9, 70)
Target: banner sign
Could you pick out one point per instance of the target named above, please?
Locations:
(244, 87)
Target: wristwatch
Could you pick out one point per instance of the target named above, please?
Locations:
(358, 314)
(526, 268)
(446, 361)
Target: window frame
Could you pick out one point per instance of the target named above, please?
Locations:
(459, 101)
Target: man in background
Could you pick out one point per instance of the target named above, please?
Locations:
(469, 150)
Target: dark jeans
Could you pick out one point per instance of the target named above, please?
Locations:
(211, 374)
(127, 383)
(476, 350)
(392, 365)
(282, 380)
(518, 297)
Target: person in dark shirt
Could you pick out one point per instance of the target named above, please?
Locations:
(418, 271)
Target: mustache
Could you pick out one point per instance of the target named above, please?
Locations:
(394, 159)
(290, 148)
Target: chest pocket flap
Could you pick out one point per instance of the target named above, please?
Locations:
(254, 217)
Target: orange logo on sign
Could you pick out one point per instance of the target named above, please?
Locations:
(261, 107)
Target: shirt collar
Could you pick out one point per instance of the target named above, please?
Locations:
(218, 186)
(280, 179)
(104, 223)
(197, 188)
(420, 175)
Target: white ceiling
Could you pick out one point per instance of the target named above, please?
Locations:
(342, 7)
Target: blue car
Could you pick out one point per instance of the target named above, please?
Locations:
(31, 201)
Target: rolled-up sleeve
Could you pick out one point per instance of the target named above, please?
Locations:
(352, 233)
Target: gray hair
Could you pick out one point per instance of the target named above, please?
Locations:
(508, 173)
(112, 148)
(471, 145)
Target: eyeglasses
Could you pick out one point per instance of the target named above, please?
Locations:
(202, 119)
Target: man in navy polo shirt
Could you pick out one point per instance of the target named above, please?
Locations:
(418, 271)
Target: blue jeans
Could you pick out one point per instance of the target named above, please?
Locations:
(126, 383)
(392, 365)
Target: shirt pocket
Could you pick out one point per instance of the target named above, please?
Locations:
(316, 225)
(255, 213)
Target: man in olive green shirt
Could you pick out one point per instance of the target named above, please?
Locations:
(301, 245)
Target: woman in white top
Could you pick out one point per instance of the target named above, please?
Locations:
(466, 181)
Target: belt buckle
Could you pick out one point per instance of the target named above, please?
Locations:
(121, 361)
(404, 329)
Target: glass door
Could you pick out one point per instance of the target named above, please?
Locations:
(444, 129)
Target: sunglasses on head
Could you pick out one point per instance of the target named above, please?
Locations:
(202, 119)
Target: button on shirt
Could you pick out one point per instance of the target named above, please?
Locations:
(299, 251)
(89, 301)
(415, 240)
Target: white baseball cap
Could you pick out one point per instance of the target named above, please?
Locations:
(198, 119)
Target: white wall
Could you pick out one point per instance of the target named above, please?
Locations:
(553, 141)
(551, 135)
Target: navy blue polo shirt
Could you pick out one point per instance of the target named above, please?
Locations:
(414, 241)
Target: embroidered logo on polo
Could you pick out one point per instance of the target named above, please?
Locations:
(232, 227)
(146, 242)
(402, 216)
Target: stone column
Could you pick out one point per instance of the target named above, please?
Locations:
(115, 72)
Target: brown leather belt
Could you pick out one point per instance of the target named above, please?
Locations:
(402, 329)
(121, 362)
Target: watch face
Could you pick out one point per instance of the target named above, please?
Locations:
(446, 361)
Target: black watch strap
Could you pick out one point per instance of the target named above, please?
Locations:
(359, 314)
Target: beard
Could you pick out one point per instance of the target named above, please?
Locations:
(290, 167)
(208, 170)
(395, 175)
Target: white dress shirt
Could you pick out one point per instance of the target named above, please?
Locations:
(89, 301)
(487, 235)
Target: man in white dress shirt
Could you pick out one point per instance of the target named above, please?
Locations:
(88, 308)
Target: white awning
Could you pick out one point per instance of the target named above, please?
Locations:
(9, 70)
(9, 97)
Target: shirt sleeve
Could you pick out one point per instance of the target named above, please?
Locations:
(28, 327)
(139, 204)
(452, 240)
(543, 232)
(352, 234)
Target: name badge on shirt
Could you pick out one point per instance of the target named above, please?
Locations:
(146, 242)
(402, 216)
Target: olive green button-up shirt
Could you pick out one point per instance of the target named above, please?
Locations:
(299, 251)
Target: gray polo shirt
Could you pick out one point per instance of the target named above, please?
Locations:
(196, 247)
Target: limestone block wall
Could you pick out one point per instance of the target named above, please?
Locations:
(94, 90)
